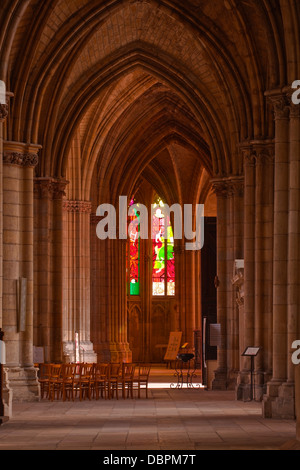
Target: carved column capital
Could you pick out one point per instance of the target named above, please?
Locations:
(237, 185)
(42, 188)
(264, 152)
(49, 188)
(280, 101)
(25, 160)
(249, 157)
(58, 189)
(281, 107)
(77, 206)
(258, 152)
(222, 188)
(20, 154)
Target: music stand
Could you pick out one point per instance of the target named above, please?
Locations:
(251, 351)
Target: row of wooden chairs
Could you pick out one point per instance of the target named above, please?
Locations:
(105, 380)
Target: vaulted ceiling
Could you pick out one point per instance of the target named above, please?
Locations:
(163, 90)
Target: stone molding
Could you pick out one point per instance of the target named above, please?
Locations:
(25, 160)
(77, 207)
(49, 188)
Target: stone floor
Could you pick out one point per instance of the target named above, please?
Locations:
(170, 419)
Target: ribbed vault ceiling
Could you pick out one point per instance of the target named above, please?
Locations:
(164, 89)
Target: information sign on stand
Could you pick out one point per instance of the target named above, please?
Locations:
(173, 346)
(251, 351)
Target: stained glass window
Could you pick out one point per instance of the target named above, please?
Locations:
(163, 271)
(134, 253)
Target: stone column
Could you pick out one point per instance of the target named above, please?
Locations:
(284, 405)
(221, 190)
(179, 251)
(146, 278)
(258, 249)
(187, 318)
(19, 161)
(4, 112)
(264, 207)
(6, 392)
(76, 291)
(3, 116)
(117, 302)
(99, 293)
(272, 401)
(188, 259)
(235, 251)
(109, 315)
(297, 400)
(48, 273)
(247, 321)
(4, 408)
(281, 208)
(249, 252)
(293, 325)
(230, 192)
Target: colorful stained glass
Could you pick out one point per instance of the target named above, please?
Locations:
(163, 271)
(170, 263)
(134, 254)
(158, 247)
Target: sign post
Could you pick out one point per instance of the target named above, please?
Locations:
(251, 352)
